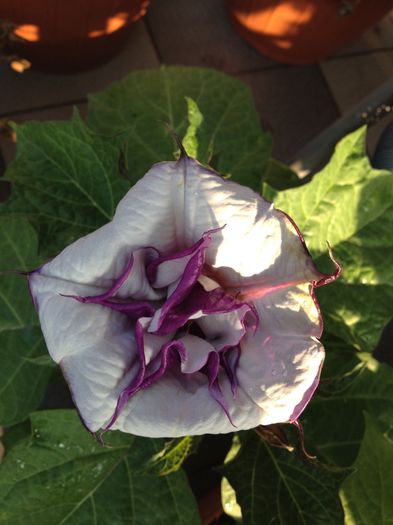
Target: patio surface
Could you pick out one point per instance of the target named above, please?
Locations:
(295, 103)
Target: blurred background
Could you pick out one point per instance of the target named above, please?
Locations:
(316, 69)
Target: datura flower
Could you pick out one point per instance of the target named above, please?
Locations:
(191, 312)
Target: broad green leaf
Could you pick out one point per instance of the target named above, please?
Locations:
(340, 358)
(368, 255)
(22, 383)
(18, 248)
(62, 475)
(65, 179)
(366, 494)
(333, 421)
(131, 113)
(13, 435)
(342, 199)
(356, 312)
(274, 486)
(350, 205)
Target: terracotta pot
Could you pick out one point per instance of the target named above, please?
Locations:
(304, 31)
(70, 35)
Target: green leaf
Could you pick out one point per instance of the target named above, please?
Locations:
(368, 255)
(22, 383)
(280, 176)
(65, 179)
(367, 493)
(129, 112)
(350, 205)
(274, 486)
(13, 435)
(173, 454)
(18, 246)
(356, 312)
(62, 475)
(42, 360)
(229, 501)
(333, 421)
(340, 358)
(228, 495)
(346, 196)
(195, 120)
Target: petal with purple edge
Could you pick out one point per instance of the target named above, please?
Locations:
(230, 361)
(258, 257)
(196, 353)
(188, 278)
(171, 208)
(224, 330)
(277, 372)
(94, 346)
(169, 269)
(289, 311)
(179, 405)
(151, 363)
(175, 313)
(279, 367)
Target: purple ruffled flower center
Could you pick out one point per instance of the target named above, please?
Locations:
(183, 320)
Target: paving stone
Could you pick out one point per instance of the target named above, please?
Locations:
(294, 104)
(377, 38)
(350, 79)
(200, 33)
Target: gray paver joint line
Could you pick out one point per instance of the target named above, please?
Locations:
(153, 41)
(21, 112)
(351, 54)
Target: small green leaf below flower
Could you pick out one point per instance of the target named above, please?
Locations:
(173, 454)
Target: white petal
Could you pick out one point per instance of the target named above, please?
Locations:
(197, 352)
(289, 311)
(207, 283)
(257, 244)
(169, 209)
(146, 217)
(279, 367)
(277, 372)
(94, 346)
(152, 343)
(258, 249)
(224, 330)
(174, 408)
(137, 285)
